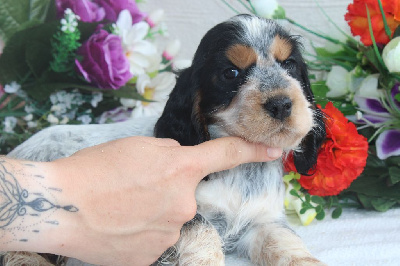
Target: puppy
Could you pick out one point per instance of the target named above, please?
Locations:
(248, 79)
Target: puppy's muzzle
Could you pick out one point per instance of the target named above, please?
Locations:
(279, 107)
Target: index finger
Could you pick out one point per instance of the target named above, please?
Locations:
(228, 152)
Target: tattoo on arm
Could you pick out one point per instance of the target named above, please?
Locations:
(16, 201)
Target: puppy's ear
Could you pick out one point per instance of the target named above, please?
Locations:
(182, 119)
(306, 158)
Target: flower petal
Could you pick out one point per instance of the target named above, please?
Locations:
(337, 82)
(124, 21)
(388, 144)
(372, 106)
(369, 87)
(395, 90)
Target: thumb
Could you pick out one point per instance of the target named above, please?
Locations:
(228, 152)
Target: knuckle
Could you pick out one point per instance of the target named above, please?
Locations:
(189, 211)
(233, 154)
(174, 239)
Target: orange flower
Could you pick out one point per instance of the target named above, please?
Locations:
(341, 159)
(357, 19)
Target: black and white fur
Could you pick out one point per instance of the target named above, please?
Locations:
(247, 79)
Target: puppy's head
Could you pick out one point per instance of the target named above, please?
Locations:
(248, 79)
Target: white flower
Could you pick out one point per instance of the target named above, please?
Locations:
(85, 119)
(155, 17)
(341, 82)
(9, 124)
(69, 22)
(32, 124)
(64, 120)
(13, 87)
(265, 8)
(391, 55)
(137, 49)
(157, 90)
(172, 49)
(369, 87)
(52, 119)
(181, 64)
(28, 117)
(97, 97)
(29, 109)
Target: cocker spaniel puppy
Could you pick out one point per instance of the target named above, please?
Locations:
(248, 79)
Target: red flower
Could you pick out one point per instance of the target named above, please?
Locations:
(341, 159)
(357, 19)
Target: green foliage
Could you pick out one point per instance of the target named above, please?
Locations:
(16, 15)
(64, 46)
(378, 187)
(396, 32)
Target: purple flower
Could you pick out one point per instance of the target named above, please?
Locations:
(114, 7)
(388, 144)
(104, 63)
(395, 91)
(380, 113)
(87, 10)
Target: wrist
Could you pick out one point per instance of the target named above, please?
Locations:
(40, 215)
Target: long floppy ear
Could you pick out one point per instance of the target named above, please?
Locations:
(306, 158)
(182, 119)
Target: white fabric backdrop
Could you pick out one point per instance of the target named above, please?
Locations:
(189, 20)
(359, 237)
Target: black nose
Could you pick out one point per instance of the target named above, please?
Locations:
(279, 107)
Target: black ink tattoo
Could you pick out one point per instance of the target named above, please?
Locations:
(14, 203)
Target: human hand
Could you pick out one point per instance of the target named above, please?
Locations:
(134, 194)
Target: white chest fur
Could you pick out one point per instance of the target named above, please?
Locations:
(238, 199)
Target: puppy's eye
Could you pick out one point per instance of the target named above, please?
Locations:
(231, 73)
(289, 64)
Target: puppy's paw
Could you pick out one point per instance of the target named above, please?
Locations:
(306, 261)
(200, 245)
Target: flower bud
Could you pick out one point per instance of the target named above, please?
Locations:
(155, 17)
(172, 49)
(265, 8)
(391, 55)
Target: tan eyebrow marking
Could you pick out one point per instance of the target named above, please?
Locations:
(241, 56)
(281, 48)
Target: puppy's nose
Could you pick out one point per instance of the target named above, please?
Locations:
(279, 107)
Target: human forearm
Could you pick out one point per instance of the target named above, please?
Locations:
(36, 212)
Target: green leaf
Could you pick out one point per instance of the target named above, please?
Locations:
(397, 97)
(396, 32)
(294, 193)
(13, 61)
(37, 57)
(16, 15)
(387, 29)
(337, 212)
(329, 202)
(320, 90)
(371, 32)
(394, 175)
(318, 200)
(320, 215)
(382, 205)
(307, 197)
(303, 210)
(365, 201)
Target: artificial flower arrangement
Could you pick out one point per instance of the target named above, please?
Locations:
(359, 163)
(80, 62)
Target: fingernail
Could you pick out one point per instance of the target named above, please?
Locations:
(274, 152)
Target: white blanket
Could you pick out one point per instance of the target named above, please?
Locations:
(357, 238)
